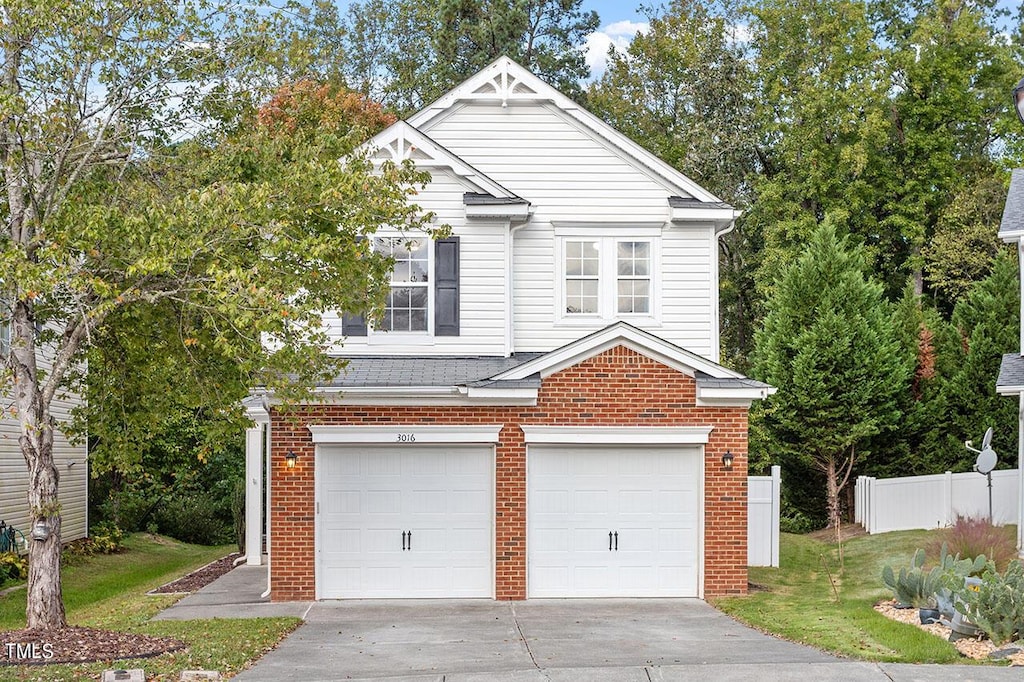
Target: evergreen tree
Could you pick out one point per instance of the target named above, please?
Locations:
(829, 346)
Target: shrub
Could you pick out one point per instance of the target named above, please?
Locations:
(973, 537)
(196, 518)
(13, 567)
(915, 586)
(996, 607)
(106, 538)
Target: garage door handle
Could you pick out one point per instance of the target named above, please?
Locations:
(403, 540)
(410, 539)
(616, 541)
(609, 541)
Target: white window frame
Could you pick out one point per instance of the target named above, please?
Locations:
(381, 336)
(608, 239)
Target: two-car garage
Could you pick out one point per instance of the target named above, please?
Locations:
(403, 514)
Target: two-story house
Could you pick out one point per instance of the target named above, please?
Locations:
(541, 412)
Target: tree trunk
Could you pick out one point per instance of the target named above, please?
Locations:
(45, 608)
(832, 493)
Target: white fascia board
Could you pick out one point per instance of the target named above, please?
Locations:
(619, 335)
(514, 211)
(617, 435)
(718, 216)
(1009, 390)
(255, 409)
(406, 434)
(731, 396)
(430, 396)
(1012, 237)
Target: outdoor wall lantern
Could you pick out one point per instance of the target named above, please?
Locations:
(1018, 99)
(40, 531)
(290, 458)
(727, 459)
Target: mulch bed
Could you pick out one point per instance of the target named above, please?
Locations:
(199, 578)
(79, 645)
(85, 645)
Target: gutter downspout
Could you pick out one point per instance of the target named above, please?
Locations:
(267, 470)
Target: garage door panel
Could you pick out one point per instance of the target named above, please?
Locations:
(370, 496)
(648, 495)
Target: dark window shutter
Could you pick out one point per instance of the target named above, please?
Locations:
(446, 287)
(353, 325)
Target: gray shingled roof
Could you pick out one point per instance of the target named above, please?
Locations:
(708, 381)
(480, 199)
(1011, 371)
(690, 202)
(430, 371)
(1013, 210)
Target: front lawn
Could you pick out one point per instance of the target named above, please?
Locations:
(109, 592)
(800, 603)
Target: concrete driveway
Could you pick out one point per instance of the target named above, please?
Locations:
(556, 640)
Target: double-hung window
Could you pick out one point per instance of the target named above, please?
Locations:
(408, 304)
(607, 278)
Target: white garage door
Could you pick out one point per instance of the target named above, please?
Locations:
(613, 521)
(414, 522)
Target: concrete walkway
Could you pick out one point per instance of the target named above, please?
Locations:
(606, 640)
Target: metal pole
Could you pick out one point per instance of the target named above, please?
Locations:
(990, 519)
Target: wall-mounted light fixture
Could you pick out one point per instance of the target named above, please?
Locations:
(727, 459)
(290, 458)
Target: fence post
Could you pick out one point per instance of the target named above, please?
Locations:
(776, 511)
(870, 511)
(948, 497)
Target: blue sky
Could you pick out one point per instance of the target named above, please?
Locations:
(620, 20)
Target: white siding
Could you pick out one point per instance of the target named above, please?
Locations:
(482, 287)
(71, 465)
(539, 153)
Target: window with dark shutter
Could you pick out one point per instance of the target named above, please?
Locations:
(446, 287)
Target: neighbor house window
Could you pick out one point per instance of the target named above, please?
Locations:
(607, 277)
(408, 302)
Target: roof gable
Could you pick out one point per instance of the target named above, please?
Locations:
(505, 81)
(619, 334)
(401, 141)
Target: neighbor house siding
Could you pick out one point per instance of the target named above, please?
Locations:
(616, 388)
(71, 463)
(482, 285)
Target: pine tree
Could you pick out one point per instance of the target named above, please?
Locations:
(829, 346)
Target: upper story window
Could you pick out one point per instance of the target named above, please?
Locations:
(408, 303)
(606, 277)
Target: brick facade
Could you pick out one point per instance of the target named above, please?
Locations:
(619, 387)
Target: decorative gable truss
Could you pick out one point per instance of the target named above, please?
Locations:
(484, 198)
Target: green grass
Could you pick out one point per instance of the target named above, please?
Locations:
(800, 603)
(109, 591)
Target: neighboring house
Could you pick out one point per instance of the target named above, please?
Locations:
(541, 412)
(70, 460)
(1011, 372)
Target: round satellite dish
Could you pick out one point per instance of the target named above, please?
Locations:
(986, 442)
(986, 461)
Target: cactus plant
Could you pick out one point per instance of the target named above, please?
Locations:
(915, 586)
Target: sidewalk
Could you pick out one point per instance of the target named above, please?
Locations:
(235, 594)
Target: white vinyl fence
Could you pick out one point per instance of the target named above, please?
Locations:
(933, 501)
(763, 498)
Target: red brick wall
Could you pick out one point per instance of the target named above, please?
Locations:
(616, 388)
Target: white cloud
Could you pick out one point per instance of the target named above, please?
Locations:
(619, 34)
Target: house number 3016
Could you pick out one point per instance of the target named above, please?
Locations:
(407, 438)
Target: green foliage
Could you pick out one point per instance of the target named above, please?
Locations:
(13, 567)
(238, 514)
(829, 346)
(914, 586)
(408, 53)
(996, 607)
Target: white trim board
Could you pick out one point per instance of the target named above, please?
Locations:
(617, 435)
(405, 434)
